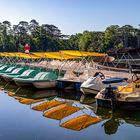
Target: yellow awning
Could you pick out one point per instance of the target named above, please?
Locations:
(62, 55)
(61, 111)
(19, 54)
(39, 54)
(24, 55)
(82, 53)
(80, 122)
(6, 54)
(54, 55)
(47, 105)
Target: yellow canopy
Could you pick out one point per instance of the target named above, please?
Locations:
(24, 55)
(80, 122)
(54, 55)
(47, 105)
(19, 54)
(82, 53)
(7, 54)
(61, 111)
(62, 55)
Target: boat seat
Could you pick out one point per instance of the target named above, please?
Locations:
(113, 80)
(48, 75)
(39, 75)
(16, 70)
(27, 72)
(43, 76)
(10, 69)
(1, 68)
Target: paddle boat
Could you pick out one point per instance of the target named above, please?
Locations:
(15, 73)
(40, 80)
(30, 73)
(98, 82)
(8, 70)
(47, 80)
(121, 97)
(4, 68)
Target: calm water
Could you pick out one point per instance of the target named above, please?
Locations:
(18, 120)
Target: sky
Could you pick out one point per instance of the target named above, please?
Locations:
(73, 16)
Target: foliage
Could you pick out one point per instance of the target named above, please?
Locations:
(47, 37)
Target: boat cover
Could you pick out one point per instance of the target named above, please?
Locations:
(113, 80)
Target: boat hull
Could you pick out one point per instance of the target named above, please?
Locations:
(22, 83)
(44, 84)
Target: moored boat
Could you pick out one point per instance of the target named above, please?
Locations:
(15, 73)
(121, 97)
(8, 70)
(30, 73)
(98, 82)
(48, 80)
(40, 80)
(27, 81)
(41, 84)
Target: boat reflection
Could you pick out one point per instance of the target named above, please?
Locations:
(117, 118)
(73, 110)
(80, 122)
(7, 86)
(47, 104)
(32, 93)
(58, 105)
(61, 111)
(87, 99)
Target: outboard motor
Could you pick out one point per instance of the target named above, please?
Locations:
(111, 93)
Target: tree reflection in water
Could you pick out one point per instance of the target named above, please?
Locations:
(117, 118)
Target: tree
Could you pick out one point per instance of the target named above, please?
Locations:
(48, 37)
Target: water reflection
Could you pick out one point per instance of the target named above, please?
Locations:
(7, 86)
(58, 105)
(73, 110)
(80, 122)
(34, 94)
(117, 118)
(47, 105)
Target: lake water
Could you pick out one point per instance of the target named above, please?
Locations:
(19, 120)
